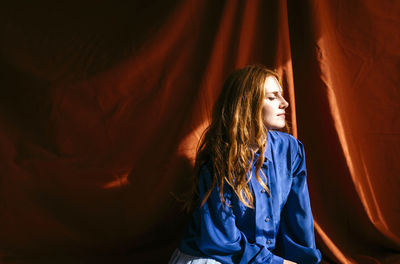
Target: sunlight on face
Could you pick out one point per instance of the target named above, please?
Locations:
(274, 105)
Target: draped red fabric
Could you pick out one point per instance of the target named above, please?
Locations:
(102, 105)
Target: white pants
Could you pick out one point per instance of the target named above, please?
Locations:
(181, 258)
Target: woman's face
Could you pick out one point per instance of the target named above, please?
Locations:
(274, 105)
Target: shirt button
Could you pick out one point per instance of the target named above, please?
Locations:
(263, 190)
(267, 219)
(269, 242)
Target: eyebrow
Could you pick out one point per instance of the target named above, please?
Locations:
(276, 92)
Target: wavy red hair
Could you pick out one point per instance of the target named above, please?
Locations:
(236, 128)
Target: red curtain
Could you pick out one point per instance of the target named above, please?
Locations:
(102, 105)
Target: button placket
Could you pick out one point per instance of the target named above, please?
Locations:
(268, 217)
(265, 230)
(264, 168)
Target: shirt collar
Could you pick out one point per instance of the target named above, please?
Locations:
(268, 151)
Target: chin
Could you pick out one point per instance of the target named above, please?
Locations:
(276, 127)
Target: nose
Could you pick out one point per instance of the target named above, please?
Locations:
(284, 104)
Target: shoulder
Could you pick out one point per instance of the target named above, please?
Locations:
(278, 137)
(206, 167)
(205, 170)
(206, 175)
(285, 142)
(207, 180)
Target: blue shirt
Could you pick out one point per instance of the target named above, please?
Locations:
(280, 224)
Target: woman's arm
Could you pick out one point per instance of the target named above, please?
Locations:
(296, 235)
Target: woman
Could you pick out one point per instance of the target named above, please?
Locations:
(252, 203)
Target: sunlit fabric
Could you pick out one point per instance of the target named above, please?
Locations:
(234, 233)
(102, 104)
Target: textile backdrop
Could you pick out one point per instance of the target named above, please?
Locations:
(102, 104)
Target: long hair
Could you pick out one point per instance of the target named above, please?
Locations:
(235, 129)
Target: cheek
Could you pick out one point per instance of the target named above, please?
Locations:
(266, 111)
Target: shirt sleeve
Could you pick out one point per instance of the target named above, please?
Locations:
(219, 236)
(296, 235)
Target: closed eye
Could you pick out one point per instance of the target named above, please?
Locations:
(271, 98)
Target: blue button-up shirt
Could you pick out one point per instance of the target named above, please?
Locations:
(281, 225)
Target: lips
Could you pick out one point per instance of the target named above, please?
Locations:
(282, 115)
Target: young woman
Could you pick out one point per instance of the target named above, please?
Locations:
(251, 199)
